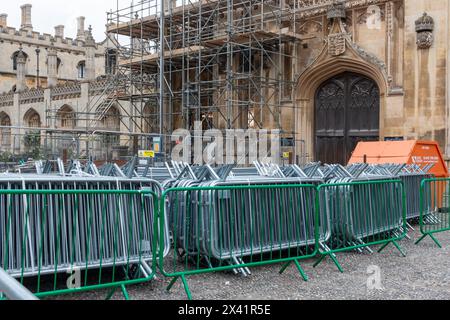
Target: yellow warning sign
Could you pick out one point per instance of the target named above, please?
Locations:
(146, 154)
(286, 155)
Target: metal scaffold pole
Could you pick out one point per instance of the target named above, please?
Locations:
(161, 77)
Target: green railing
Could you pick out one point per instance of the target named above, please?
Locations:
(238, 227)
(360, 215)
(434, 208)
(112, 239)
(66, 241)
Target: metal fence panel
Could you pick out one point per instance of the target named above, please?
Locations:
(361, 214)
(435, 208)
(103, 238)
(235, 227)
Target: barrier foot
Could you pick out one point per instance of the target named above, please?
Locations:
(395, 244)
(300, 269)
(124, 292)
(111, 293)
(322, 257)
(186, 287)
(336, 262)
(171, 284)
(283, 269)
(399, 248)
(432, 237)
(383, 247)
(436, 241)
(333, 258)
(421, 239)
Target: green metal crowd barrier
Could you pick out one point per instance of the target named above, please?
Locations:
(360, 215)
(434, 208)
(59, 242)
(112, 239)
(234, 228)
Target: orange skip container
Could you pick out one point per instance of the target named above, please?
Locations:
(421, 153)
(417, 152)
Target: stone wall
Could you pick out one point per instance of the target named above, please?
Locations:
(416, 101)
(69, 51)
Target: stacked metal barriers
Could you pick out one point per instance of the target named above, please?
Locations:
(213, 218)
(411, 176)
(223, 216)
(267, 213)
(356, 203)
(51, 224)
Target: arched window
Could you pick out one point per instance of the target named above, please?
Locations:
(66, 117)
(32, 119)
(81, 67)
(111, 119)
(32, 138)
(111, 122)
(5, 133)
(14, 59)
(58, 63)
(150, 118)
(110, 61)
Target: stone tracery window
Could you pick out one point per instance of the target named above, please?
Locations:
(5, 133)
(111, 122)
(58, 64)
(32, 119)
(81, 68)
(110, 61)
(150, 118)
(66, 117)
(111, 119)
(14, 59)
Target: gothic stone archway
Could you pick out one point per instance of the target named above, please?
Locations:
(328, 65)
(346, 111)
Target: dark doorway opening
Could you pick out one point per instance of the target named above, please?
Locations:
(347, 110)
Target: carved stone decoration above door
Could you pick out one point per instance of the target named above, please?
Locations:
(339, 42)
(336, 44)
(338, 34)
(340, 55)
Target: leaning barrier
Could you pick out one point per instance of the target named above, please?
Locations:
(12, 289)
(435, 208)
(82, 230)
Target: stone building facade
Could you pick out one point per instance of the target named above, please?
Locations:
(48, 81)
(362, 70)
(385, 62)
(71, 54)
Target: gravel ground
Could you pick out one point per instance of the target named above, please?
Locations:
(424, 274)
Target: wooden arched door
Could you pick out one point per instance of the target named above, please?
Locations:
(347, 110)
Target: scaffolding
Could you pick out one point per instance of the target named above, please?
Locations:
(227, 64)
